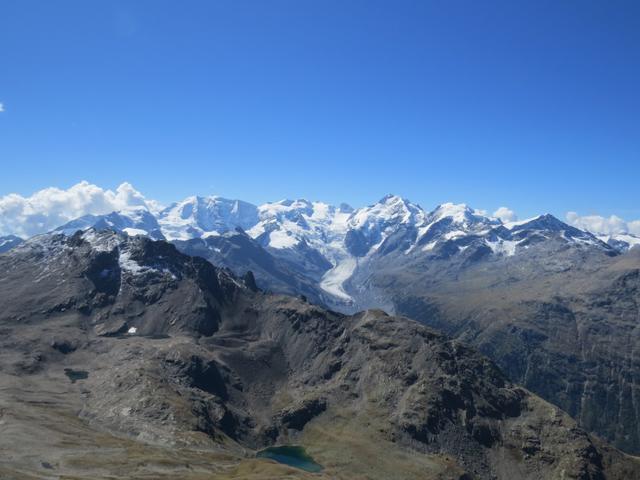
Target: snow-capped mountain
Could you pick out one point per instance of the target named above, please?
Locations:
(197, 217)
(370, 226)
(135, 221)
(326, 245)
(290, 223)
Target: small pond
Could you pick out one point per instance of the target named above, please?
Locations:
(75, 375)
(292, 455)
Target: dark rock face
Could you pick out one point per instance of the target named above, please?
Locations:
(250, 281)
(240, 253)
(298, 416)
(357, 244)
(183, 353)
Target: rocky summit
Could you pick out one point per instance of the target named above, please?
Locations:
(123, 358)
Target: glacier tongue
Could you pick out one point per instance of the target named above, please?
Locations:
(333, 280)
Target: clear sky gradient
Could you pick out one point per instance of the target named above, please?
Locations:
(534, 105)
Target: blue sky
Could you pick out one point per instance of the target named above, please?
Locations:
(534, 105)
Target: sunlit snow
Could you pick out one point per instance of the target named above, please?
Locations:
(503, 247)
(333, 280)
(132, 232)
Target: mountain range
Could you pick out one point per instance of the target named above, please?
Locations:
(330, 243)
(554, 306)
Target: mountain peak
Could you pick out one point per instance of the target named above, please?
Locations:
(389, 197)
(345, 208)
(542, 222)
(450, 209)
(195, 216)
(390, 208)
(392, 199)
(460, 213)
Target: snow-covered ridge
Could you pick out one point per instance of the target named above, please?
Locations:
(106, 241)
(621, 241)
(336, 240)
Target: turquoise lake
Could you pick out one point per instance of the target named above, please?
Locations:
(291, 455)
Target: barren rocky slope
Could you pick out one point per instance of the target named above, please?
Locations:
(120, 357)
(563, 322)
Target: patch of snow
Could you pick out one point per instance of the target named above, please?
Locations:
(584, 240)
(503, 247)
(429, 246)
(132, 330)
(132, 232)
(169, 272)
(512, 225)
(100, 241)
(631, 240)
(282, 239)
(454, 234)
(4, 242)
(128, 264)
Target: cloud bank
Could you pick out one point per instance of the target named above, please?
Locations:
(505, 214)
(603, 225)
(52, 207)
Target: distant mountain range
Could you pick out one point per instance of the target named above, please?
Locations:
(333, 242)
(556, 307)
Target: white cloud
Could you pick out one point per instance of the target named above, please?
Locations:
(52, 207)
(603, 225)
(505, 214)
(1, 107)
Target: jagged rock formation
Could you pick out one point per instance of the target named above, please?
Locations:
(162, 365)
